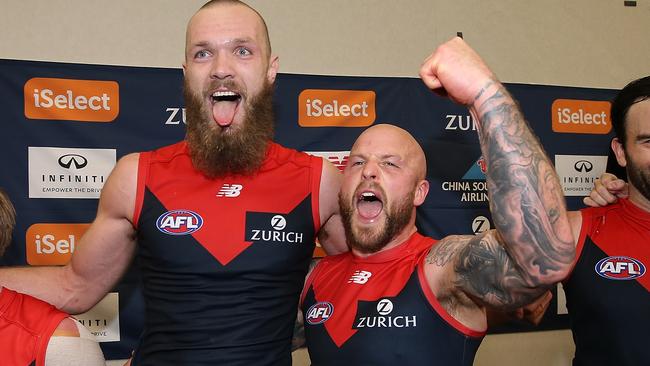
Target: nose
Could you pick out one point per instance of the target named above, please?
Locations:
(221, 67)
(369, 170)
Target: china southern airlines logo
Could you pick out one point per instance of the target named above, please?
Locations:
(72, 160)
(620, 268)
(230, 190)
(360, 277)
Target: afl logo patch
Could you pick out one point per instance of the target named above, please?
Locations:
(620, 268)
(319, 313)
(179, 222)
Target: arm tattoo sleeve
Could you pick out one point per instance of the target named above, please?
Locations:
(532, 247)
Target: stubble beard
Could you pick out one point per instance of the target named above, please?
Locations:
(371, 240)
(234, 150)
(638, 177)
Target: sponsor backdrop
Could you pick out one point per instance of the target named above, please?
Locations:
(65, 125)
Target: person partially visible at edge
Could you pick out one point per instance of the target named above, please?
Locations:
(401, 297)
(608, 289)
(218, 287)
(33, 332)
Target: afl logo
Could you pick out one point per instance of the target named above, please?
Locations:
(620, 268)
(179, 222)
(319, 313)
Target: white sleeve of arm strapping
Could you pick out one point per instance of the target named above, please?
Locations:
(74, 351)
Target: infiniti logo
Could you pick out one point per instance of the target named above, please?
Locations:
(69, 160)
(583, 166)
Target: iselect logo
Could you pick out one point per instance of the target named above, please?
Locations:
(336, 108)
(581, 116)
(69, 99)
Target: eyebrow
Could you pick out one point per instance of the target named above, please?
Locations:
(236, 41)
(381, 157)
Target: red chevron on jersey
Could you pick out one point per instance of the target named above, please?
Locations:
(224, 203)
(628, 253)
(345, 280)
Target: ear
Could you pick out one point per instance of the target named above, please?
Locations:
(619, 151)
(274, 65)
(421, 191)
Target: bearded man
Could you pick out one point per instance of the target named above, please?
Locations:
(218, 289)
(399, 297)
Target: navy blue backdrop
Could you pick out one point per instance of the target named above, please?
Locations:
(150, 115)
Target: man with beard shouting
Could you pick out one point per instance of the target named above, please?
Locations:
(401, 298)
(221, 286)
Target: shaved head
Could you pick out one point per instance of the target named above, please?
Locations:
(393, 139)
(216, 3)
(383, 183)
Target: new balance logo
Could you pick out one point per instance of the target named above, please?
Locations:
(360, 277)
(230, 190)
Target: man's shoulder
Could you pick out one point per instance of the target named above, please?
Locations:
(282, 154)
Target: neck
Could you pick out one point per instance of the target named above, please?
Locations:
(397, 240)
(639, 199)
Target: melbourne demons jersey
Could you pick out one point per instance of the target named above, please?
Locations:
(608, 291)
(223, 260)
(380, 310)
(26, 325)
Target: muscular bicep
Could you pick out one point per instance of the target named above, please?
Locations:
(331, 235)
(106, 249)
(477, 269)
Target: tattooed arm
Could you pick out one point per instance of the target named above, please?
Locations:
(532, 246)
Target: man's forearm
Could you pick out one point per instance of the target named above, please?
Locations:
(526, 199)
(47, 283)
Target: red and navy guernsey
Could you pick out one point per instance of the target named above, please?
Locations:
(380, 310)
(608, 290)
(223, 260)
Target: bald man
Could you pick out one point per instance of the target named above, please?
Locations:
(401, 298)
(217, 289)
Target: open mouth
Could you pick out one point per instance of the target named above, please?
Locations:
(224, 106)
(369, 205)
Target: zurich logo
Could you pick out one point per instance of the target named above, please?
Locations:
(319, 313)
(620, 268)
(179, 222)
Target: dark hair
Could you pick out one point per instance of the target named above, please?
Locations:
(7, 221)
(634, 92)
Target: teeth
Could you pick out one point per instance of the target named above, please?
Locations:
(367, 194)
(218, 94)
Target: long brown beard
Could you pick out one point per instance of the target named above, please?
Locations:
(237, 152)
(369, 241)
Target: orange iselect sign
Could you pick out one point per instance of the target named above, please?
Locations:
(581, 116)
(52, 244)
(336, 108)
(69, 99)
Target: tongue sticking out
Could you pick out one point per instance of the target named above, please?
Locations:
(369, 209)
(224, 112)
